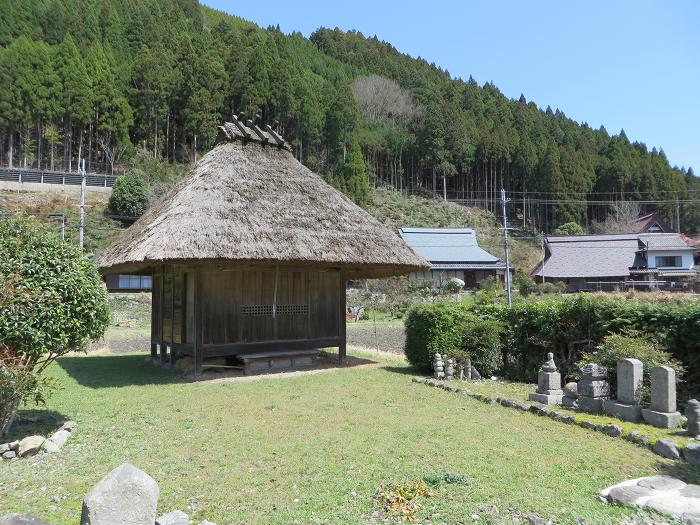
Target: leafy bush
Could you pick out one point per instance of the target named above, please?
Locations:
(434, 327)
(631, 345)
(453, 285)
(572, 325)
(525, 284)
(481, 342)
(570, 228)
(130, 195)
(451, 329)
(17, 383)
(548, 288)
(52, 300)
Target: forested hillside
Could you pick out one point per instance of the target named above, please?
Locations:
(110, 80)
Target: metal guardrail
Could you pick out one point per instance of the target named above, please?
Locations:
(55, 177)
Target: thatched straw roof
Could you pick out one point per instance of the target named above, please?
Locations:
(246, 202)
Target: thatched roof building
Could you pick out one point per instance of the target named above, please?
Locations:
(257, 204)
(248, 215)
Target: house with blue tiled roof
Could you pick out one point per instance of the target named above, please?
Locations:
(452, 253)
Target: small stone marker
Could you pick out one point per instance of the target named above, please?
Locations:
(125, 496)
(629, 379)
(593, 389)
(548, 383)
(662, 412)
(438, 367)
(692, 412)
(450, 372)
(570, 399)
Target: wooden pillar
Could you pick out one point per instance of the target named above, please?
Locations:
(171, 358)
(342, 335)
(163, 352)
(155, 304)
(198, 340)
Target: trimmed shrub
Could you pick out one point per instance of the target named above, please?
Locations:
(453, 330)
(572, 325)
(431, 328)
(568, 326)
(632, 345)
(52, 301)
(481, 342)
(130, 196)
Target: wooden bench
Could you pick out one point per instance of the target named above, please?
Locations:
(261, 362)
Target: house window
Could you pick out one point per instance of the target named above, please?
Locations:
(669, 261)
(135, 282)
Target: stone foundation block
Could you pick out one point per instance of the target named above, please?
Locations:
(593, 388)
(547, 399)
(593, 405)
(569, 402)
(661, 419)
(622, 411)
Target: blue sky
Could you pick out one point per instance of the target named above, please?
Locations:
(620, 63)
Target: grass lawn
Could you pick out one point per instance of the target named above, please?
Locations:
(521, 391)
(314, 448)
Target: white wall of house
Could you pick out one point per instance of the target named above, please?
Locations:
(655, 258)
(470, 277)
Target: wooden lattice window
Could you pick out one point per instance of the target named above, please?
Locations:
(292, 309)
(256, 310)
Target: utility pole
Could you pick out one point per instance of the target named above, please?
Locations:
(678, 214)
(82, 203)
(505, 244)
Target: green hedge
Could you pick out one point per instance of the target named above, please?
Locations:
(568, 326)
(453, 330)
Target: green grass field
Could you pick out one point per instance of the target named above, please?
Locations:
(313, 448)
(521, 391)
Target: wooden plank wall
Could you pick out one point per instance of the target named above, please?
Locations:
(236, 305)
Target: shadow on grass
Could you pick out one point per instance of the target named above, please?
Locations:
(33, 421)
(117, 371)
(681, 470)
(408, 370)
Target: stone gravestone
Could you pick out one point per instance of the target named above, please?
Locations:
(629, 379)
(662, 412)
(548, 384)
(593, 388)
(438, 367)
(692, 412)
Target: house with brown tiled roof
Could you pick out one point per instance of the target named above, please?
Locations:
(651, 223)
